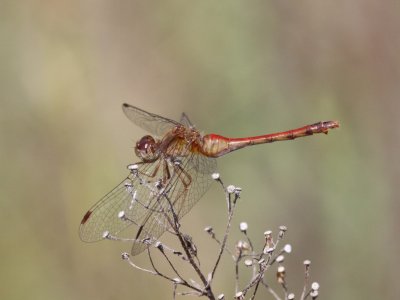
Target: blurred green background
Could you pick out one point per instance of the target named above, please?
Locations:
(237, 68)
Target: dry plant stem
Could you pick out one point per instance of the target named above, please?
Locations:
(190, 294)
(260, 261)
(255, 290)
(272, 292)
(175, 224)
(174, 252)
(307, 294)
(260, 279)
(304, 294)
(183, 282)
(154, 267)
(260, 275)
(219, 243)
(170, 264)
(254, 268)
(237, 260)
(231, 209)
(142, 269)
(256, 280)
(248, 240)
(207, 286)
(285, 289)
(174, 292)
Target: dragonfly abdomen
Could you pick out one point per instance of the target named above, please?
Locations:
(215, 145)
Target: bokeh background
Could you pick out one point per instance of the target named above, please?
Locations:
(237, 68)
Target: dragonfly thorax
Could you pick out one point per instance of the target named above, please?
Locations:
(146, 149)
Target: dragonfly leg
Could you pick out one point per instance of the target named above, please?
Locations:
(178, 203)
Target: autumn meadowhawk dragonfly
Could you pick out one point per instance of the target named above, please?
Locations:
(173, 173)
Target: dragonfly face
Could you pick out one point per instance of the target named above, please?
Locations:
(146, 149)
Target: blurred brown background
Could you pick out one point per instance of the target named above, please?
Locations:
(237, 68)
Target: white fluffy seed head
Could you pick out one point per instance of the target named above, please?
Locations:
(280, 258)
(268, 250)
(106, 234)
(208, 229)
(215, 176)
(243, 226)
(307, 262)
(315, 286)
(121, 214)
(238, 189)
(281, 269)
(128, 184)
(242, 246)
(239, 295)
(267, 233)
(290, 296)
(221, 297)
(283, 228)
(230, 189)
(287, 248)
(248, 262)
(132, 167)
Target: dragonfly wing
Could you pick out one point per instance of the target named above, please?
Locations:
(146, 198)
(186, 121)
(187, 184)
(132, 197)
(150, 122)
(103, 216)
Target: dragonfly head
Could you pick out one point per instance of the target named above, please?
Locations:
(146, 148)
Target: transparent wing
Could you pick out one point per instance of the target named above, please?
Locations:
(131, 197)
(152, 123)
(186, 121)
(147, 197)
(189, 180)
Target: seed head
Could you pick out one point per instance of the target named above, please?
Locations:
(132, 167)
(315, 286)
(243, 226)
(248, 262)
(307, 263)
(287, 248)
(239, 296)
(121, 215)
(230, 189)
(208, 229)
(215, 176)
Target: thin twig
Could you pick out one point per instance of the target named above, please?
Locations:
(211, 232)
(171, 265)
(125, 256)
(304, 294)
(228, 226)
(237, 260)
(188, 253)
(269, 289)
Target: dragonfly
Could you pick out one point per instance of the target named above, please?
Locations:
(173, 172)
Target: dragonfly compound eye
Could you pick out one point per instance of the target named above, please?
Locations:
(146, 148)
